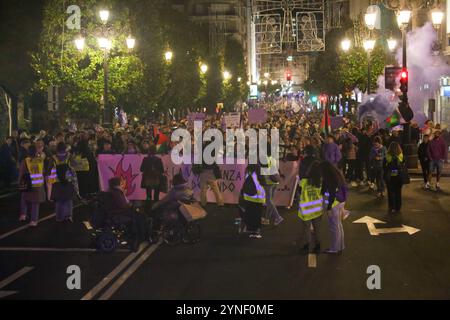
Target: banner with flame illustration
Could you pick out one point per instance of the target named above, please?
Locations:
(127, 167)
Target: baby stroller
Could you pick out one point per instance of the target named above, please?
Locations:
(112, 227)
(183, 225)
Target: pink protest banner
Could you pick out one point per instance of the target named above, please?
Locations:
(257, 116)
(127, 167)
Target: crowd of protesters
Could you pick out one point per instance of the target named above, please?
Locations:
(355, 154)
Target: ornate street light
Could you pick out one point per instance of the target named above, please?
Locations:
(403, 18)
(131, 42)
(370, 20)
(80, 43)
(437, 16)
(168, 55)
(369, 45)
(346, 44)
(226, 75)
(104, 43)
(204, 68)
(392, 44)
(104, 16)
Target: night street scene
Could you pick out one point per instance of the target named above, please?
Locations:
(224, 156)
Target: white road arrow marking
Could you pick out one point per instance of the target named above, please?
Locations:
(370, 222)
(11, 279)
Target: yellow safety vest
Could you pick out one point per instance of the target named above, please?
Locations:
(35, 167)
(269, 181)
(80, 164)
(53, 178)
(311, 204)
(260, 196)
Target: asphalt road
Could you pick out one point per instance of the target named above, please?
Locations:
(224, 265)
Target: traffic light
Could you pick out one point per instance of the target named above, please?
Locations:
(314, 99)
(404, 80)
(288, 76)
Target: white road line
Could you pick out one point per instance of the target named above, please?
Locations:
(106, 280)
(10, 233)
(312, 260)
(125, 276)
(15, 276)
(25, 249)
(4, 294)
(7, 195)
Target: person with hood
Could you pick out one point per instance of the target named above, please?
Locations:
(63, 184)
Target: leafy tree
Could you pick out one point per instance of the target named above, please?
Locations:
(234, 62)
(353, 67)
(58, 62)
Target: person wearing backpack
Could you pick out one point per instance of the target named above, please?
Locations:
(251, 201)
(63, 184)
(335, 192)
(394, 170)
(152, 170)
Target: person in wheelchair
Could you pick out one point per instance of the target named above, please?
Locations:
(168, 208)
(123, 213)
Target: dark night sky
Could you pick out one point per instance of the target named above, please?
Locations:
(20, 26)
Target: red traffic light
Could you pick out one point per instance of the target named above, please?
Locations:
(288, 76)
(404, 74)
(323, 98)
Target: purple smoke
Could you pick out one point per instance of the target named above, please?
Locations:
(425, 69)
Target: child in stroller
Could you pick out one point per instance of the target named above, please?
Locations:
(168, 219)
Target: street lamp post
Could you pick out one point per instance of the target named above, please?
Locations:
(369, 45)
(105, 45)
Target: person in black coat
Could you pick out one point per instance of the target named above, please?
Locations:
(425, 160)
(310, 157)
(152, 170)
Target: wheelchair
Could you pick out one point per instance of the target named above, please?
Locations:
(175, 229)
(113, 228)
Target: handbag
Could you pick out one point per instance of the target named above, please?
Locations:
(192, 212)
(404, 175)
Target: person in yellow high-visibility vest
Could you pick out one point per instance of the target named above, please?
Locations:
(311, 209)
(64, 185)
(252, 199)
(31, 182)
(271, 183)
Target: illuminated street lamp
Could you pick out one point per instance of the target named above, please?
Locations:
(131, 42)
(204, 68)
(437, 16)
(266, 75)
(346, 44)
(239, 79)
(80, 43)
(369, 45)
(403, 17)
(392, 44)
(104, 16)
(168, 55)
(104, 43)
(370, 20)
(226, 75)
